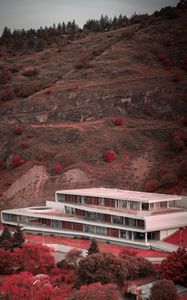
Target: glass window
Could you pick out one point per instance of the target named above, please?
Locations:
(145, 206)
(163, 204)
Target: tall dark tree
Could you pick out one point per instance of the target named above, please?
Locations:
(18, 238)
(6, 32)
(93, 247)
(6, 239)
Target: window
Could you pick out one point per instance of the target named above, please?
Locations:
(101, 230)
(123, 204)
(163, 204)
(117, 220)
(123, 234)
(145, 206)
(60, 198)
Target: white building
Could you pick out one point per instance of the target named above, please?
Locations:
(127, 217)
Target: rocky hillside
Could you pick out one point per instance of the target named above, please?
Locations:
(108, 109)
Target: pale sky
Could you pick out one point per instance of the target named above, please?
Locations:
(18, 14)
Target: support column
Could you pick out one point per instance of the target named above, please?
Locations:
(132, 235)
(146, 237)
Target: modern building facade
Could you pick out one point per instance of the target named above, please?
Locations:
(121, 216)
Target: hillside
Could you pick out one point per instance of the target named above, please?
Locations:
(59, 106)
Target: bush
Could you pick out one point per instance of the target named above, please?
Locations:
(17, 161)
(6, 94)
(30, 71)
(109, 156)
(97, 291)
(26, 89)
(163, 290)
(119, 121)
(19, 130)
(48, 91)
(24, 145)
(57, 168)
(152, 185)
(30, 135)
(103, 267)
(169, 179)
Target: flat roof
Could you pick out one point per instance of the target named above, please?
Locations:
(121, 195)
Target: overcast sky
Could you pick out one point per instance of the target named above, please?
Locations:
(18, 14)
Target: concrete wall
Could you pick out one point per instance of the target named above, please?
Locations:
(165, 233)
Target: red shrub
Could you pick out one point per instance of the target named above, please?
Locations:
(109, 156)
(17, 161)
(57, 168)
(19, 130)
(2, 165)
(29, 135)
(152, 185)
(163, 170)
(6, 94)
(176, 77)
(48, 91)
(1, 194)
(24, 145)
(30, 71)
(119, 121)
(169, 179)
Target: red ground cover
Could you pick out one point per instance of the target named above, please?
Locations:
(84, 244)
(178, 238)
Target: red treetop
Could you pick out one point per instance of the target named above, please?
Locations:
(119, 121)
(109, 155)
(19, 130)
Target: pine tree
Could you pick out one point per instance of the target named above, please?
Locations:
(6, 239)
(18, 238)
(93, 247)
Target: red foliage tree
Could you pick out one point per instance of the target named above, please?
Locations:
(19, 130)
(6, 265)
(30, 71)
(152, 185)
(163, 290)
(24, 144)
(136, 266)
(57, 168)
(97, 291)
(174, 267)
(103, 267)
(48, 91)
(169, 179)
(109, 156)
(119, 121)
(73, 257)
(30, 135)
(17, 161)
(25, 286)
